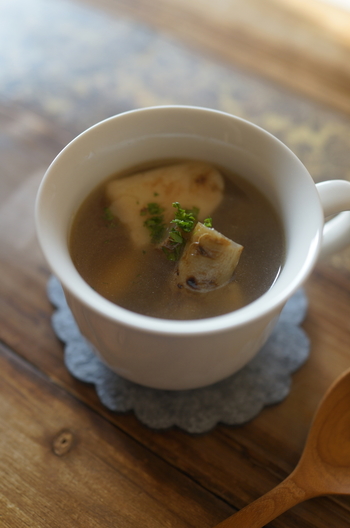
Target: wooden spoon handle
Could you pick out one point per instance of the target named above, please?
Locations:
(267, 507)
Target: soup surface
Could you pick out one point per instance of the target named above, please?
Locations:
(140, 277)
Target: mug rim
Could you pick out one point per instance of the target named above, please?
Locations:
(79, 289)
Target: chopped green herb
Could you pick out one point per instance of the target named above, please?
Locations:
(172, 252)
(109, 217)
(175, 236)
(185, 220)
(107, 214)
(184, 223)
(155, 194)
(156, 227)
(173, 246)
(155, 222)
(155, 208)
(195, 211)
(152, 208)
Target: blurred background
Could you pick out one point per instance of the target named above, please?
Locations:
(65, 65)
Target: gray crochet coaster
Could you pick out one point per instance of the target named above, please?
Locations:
(264, 381)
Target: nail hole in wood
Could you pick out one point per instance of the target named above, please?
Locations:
(62, 443)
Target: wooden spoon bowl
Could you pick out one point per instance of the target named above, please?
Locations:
(323, 469)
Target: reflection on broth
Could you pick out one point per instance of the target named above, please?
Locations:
(124, 245)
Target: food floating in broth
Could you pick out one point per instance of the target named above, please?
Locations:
(178, 240)
(208, 260)
(183, 183)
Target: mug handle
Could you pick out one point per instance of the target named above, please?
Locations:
(335, 197)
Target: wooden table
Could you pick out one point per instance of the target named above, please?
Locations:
(65, 460)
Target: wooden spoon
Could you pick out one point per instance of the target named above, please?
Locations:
(324, 467)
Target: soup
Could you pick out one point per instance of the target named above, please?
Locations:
(124, 246)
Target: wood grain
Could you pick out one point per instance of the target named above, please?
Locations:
(25, 326)
(62, 464)
(322, 470)
(65, 460)
(218, 462)
(304, 46)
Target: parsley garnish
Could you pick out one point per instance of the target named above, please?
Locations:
(155, 222)
(185, 222)
(156, 227)
(152, 209)
(109, 217)
(172, 251)
(107, 214)
(175, 236)
(155, 209)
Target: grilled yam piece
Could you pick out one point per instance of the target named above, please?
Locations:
(192, 184)
(208, 260)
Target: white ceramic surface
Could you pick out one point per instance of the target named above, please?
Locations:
(186, 354)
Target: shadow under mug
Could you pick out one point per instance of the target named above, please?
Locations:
(169, 354)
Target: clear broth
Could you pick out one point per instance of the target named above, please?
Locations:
(138, 279)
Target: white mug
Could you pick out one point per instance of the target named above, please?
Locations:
(169, 354)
